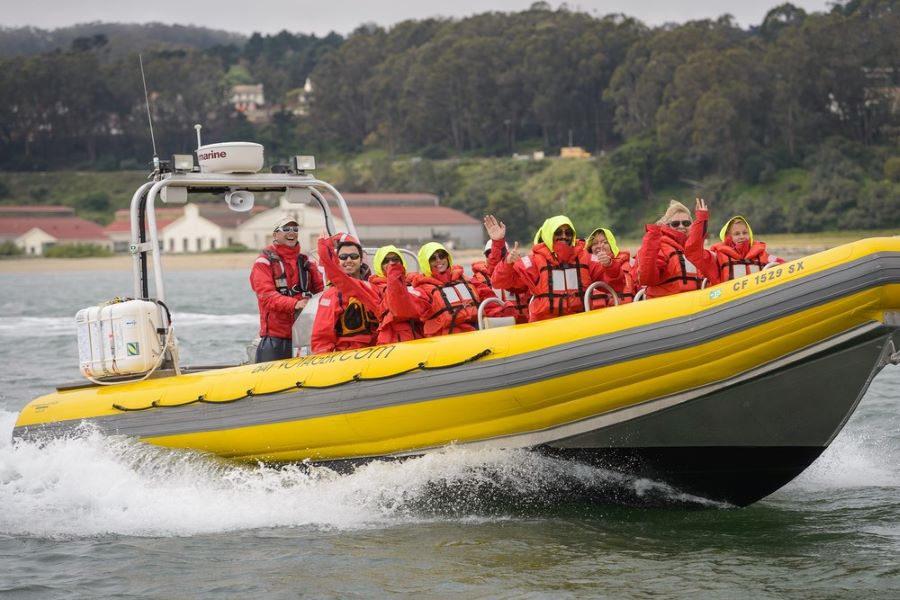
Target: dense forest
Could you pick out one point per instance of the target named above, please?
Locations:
(795, 122)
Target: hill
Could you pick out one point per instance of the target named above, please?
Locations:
(121, 39)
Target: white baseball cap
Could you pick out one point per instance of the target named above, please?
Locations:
(284, 221)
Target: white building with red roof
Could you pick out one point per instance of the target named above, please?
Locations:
(52, 227)
(412, 226)
(119, 231)
(203, 227)
(404, 219)
(256, 233)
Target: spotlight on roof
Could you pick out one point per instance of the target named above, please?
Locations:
(183, 162)
(304, 163)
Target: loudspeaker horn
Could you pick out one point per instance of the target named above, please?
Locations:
(239, 200)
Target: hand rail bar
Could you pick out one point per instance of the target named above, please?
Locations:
(594, 286)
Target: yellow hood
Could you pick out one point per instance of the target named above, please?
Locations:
(425, 253)
(724, 231)
(379, 258)
(551, 225)
(609, 238)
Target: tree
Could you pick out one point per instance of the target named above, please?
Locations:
(712, 108)
(777, 19)
(343, 104)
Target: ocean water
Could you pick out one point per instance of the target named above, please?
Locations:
(100, 517)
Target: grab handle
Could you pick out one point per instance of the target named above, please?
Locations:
(594, 286)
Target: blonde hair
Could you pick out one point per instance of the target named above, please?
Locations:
(675, 207)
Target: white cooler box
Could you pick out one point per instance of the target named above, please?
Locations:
(119, 339)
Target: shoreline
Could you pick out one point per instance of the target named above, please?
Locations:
(785, 246)
(239, 261)
(123, 262)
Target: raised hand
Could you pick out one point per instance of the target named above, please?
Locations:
(700, 204)
(496, 230)
(513, 254)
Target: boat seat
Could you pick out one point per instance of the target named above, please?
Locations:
(492, 322)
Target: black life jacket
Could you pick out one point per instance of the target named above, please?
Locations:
(355, 319)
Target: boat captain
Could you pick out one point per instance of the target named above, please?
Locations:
(283, 279)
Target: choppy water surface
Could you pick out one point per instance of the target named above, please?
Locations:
(94, 516)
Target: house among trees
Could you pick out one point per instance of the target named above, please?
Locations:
(297, 101)
(34, 229)
(250, 100)
(573, 152)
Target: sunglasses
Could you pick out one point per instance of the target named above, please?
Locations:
(564, 233)
(679, 223)
(289, 229)
(351, 256)
(439, 255)
(392, 259)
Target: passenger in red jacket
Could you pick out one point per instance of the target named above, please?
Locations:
(453, 298)
(611, 266)
(738, 254)
(345, 318)
(664, 268)
(400, 306)
(284, 279)
(556, 273)
(495, 252)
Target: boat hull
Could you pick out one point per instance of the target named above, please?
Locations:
(747, 438)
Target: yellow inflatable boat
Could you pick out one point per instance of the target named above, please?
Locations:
(727, 392)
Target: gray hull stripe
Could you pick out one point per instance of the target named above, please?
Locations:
(659, 337)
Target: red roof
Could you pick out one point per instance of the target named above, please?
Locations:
(22, 210)
(410, 215)
(386, 199)
(124, 214)
(118, 226)
(62, 228)
(381, 196)
(225, 217)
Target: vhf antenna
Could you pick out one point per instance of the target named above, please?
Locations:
(149, 117)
